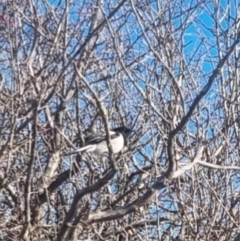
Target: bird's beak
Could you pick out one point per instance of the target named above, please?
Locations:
(132, 132)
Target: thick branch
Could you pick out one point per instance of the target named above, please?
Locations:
(73, 210)
(196, 101)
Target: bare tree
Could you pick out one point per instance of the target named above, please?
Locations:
(169, 69)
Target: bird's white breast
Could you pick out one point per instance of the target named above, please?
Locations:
(117, 145)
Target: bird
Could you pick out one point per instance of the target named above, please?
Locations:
(98, 143)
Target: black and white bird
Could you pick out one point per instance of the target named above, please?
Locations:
(98, 143)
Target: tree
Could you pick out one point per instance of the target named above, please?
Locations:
(169, 69)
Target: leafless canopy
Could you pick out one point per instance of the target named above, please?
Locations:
(167, 68)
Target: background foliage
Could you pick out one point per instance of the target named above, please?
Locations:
(169, 69)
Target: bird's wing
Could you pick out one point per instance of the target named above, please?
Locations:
(91, 140)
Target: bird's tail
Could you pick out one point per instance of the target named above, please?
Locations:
(84, 148)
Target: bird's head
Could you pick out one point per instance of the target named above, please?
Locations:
(123, 130)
